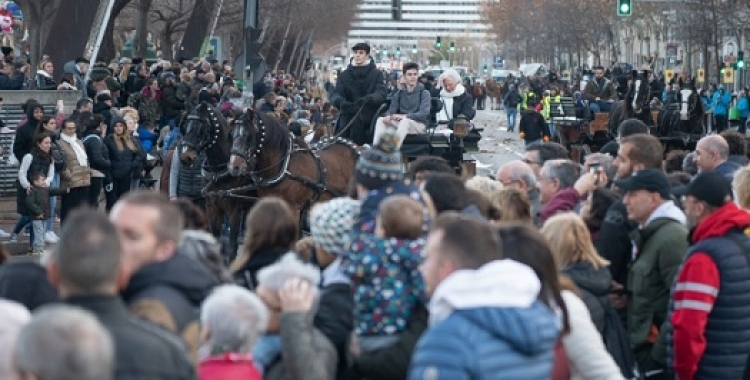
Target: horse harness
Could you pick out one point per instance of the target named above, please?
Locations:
(318, 186)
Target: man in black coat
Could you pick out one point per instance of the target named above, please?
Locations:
(360, 90)
(87, 267)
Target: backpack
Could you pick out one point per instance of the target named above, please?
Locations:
(617, 342)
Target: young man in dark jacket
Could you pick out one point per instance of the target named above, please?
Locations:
(24, 140)
(88, 267)
(164, 287)
(533, 127)
(360, 90)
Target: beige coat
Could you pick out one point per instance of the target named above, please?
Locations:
(74, 174)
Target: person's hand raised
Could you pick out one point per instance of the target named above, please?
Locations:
(297, 295)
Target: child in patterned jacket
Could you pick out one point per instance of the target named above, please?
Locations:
(384, 269)
(385, 250)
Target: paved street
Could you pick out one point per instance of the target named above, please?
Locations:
(497, 145)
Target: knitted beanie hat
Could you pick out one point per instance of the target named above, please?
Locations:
(380, 165)
(331, 224)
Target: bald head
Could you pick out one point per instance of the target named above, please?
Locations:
(517, 175)
(711, 152)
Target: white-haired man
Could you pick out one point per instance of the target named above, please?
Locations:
(15, 316)
(62, 343)
(289, 290)
(232, 319)
(520, 176)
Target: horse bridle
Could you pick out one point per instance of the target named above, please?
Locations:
(259, 145)
(209, 139)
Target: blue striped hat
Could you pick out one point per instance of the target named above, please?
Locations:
(380, 165)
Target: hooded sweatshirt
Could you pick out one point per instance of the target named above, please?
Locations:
(487, 324)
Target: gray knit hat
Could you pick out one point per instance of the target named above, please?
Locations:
(331, 224)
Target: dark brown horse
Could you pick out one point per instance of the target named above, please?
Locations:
(206, 131)
(282, 165)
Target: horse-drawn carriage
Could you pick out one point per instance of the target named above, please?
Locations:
(256, 155)
(454, 144)
(679, 126)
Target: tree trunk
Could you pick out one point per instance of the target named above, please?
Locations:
(283, 46)
(107, 51)
(293, 53)
(167, 50)
(141, 28)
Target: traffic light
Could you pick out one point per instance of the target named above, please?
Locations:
(438, 43)
(414, 49)
(453, 46)
(485, 69)
(396, 10)
(740, 59)
(398, 51)
(624, 8)
(721, 68)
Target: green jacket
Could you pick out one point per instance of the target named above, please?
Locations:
(37, 202)
(660, 248)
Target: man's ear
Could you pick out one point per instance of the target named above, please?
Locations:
(165, 250)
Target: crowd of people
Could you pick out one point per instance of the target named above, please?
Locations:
(628, 266)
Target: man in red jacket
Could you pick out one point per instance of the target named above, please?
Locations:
(710, 302)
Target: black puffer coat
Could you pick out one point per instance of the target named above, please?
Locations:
(126, 163)
(364, 84)
(594, 285)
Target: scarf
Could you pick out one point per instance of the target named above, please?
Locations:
(447, 113)
(77, 148)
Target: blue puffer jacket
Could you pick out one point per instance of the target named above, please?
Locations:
(489, 343)
(487, 324)
(721, 101)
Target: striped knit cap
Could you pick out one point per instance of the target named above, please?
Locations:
(381, 164)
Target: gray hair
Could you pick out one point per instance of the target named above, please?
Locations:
(15, 316)
(565, 171)
(64, 342)
(449, 73)
(521, 171)
(605, 162)
(234, 318)
(287, 268)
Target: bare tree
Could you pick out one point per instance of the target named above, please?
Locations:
(169, 18)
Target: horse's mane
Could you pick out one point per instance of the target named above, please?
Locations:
(277, 134)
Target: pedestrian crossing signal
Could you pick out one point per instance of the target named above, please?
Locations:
(438, 43)
(740, 59)
(624, 8)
